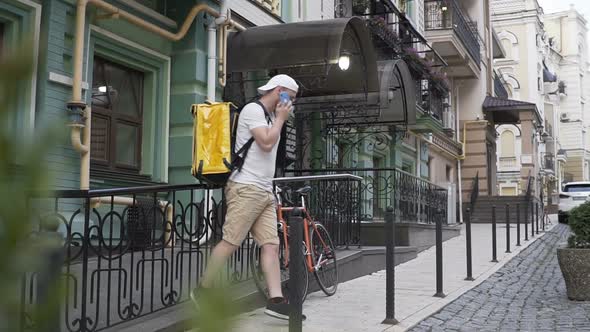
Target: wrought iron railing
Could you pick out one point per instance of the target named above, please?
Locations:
(549, 162)
(334, 202)
(134, 251)
(414, 200)
(431, 99)
(447, 14)
(499, 87)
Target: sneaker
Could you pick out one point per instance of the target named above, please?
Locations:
(279, 308)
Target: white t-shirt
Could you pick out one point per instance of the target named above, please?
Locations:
(259, 166)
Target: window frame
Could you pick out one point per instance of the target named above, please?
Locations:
(114, 118)
(156, 103)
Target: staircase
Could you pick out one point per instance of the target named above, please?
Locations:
(482, 212)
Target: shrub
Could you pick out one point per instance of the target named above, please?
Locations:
(579, 222)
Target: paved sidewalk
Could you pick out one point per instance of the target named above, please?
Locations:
(359, 304)
(527, 294)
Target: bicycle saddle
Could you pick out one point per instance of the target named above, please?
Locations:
(304, 190)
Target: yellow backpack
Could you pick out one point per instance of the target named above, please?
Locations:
(214, 138)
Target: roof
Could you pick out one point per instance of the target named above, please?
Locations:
(508, 110)
(491, 103)
(309, 49)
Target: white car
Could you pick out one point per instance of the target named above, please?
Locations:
(572, 195)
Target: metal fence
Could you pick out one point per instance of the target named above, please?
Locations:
(447, 14)
(413, 199)
(334, 202)
(134, 251)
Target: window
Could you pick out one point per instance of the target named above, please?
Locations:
(117, 116)
(507, 142)
(449, 173)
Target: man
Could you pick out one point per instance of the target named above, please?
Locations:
(249, 192)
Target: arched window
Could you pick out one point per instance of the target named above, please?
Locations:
(507, 45)
(510, 44)
(507, 143)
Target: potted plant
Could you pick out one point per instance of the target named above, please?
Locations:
(574, 260)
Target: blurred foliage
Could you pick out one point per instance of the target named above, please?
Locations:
(24, 248)
(22, 173)
(579, 222)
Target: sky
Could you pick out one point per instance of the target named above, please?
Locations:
(552, 6)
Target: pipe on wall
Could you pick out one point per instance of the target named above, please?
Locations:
(77, 106)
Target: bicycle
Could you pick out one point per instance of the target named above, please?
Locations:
(318, 249)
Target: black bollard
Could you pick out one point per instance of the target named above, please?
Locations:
(518, 225)
(296, 270)
(532, 220)
(508, 229)
(537, 216)
(439, 256)
(389, 268)
(468, 245)
(526, 223)
(494, 242)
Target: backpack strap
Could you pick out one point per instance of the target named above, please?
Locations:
(266, 113)
(243, 151)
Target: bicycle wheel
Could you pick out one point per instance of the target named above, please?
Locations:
(258, 275)
(323, 256)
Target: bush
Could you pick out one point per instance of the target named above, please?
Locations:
(579, 222)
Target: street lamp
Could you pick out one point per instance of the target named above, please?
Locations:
(344, 62)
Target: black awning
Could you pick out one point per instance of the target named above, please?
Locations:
(505, 111)
(309, 49)
(397, 95)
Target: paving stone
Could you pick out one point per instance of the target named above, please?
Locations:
(527, 294)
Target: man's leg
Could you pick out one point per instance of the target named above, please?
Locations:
(271, 269)
(219, 256)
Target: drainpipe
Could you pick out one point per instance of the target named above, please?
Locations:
(78, 112)
(80, 116)
(211, 60)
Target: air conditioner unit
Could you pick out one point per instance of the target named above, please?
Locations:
(564, 117)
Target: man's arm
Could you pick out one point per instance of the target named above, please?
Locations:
(266, 137)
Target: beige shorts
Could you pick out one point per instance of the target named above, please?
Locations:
(249, 208)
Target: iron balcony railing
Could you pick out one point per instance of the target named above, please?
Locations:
(431, 99)
(130, 252)
(549, 162)
(499, 87)
(414, 200)
(447, 14)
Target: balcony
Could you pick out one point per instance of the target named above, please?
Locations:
(499, 87)
(272, 6)
(454, 36)
(507, 164)
(549, 163)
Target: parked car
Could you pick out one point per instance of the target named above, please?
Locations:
(572, 195)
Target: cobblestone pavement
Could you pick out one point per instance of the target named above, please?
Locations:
(527, 294)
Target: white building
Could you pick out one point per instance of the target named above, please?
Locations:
(567, 33)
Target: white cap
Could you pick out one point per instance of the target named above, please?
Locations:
(282, 80)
